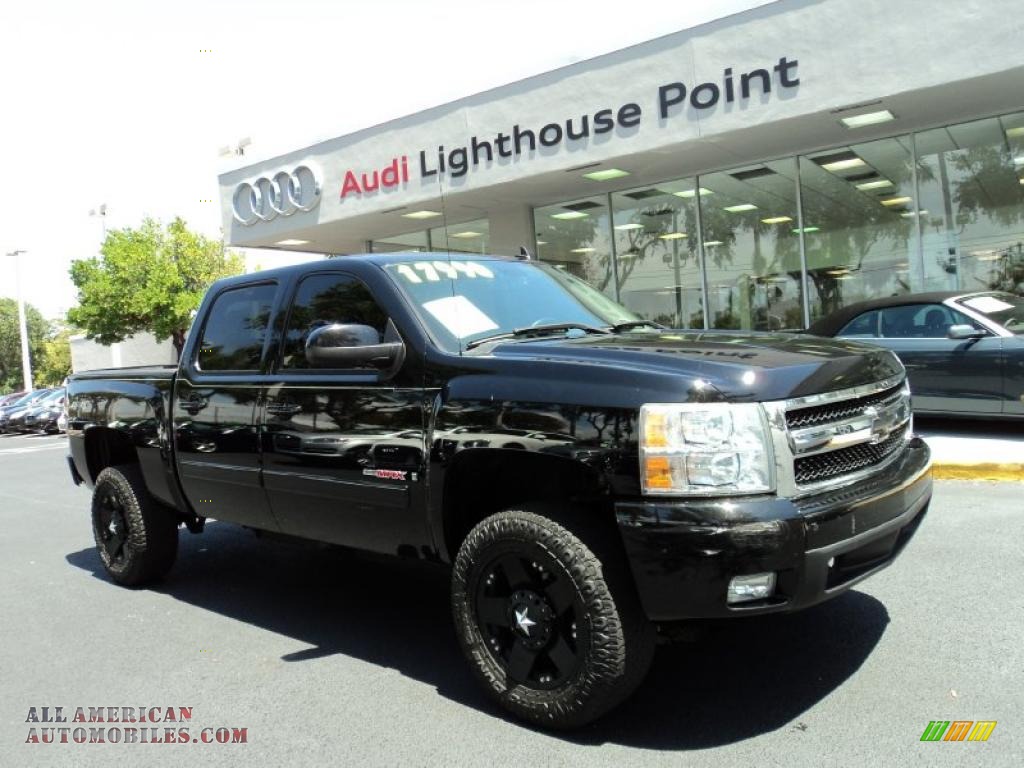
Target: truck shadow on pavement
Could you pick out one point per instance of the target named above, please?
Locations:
(738, 680)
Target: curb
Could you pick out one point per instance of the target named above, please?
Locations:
(982, 471)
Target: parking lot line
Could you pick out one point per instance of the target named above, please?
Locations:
(48, 446)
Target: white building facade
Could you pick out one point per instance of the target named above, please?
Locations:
(140, 349)
(756, 172)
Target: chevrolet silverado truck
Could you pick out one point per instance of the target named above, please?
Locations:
(591, 479)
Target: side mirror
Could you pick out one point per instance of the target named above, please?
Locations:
(961, 332)
(351, 346)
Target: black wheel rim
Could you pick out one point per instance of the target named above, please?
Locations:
(112, 528)
(531, 618)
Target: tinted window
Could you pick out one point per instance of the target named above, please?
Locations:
(921, 321)
(323, 300)
(862, 325)
(236, 329)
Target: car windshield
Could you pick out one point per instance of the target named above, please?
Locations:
(1003, 308)
(32, 397)
(53, 397)
(463, 300)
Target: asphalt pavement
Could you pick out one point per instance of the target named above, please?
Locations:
(331, 658)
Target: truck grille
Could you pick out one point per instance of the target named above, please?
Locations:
(847, 434)
(823, 414)
(825, 466)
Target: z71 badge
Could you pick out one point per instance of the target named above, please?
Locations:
(386, 474)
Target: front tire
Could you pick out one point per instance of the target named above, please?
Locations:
(554, 632)
(136, 536)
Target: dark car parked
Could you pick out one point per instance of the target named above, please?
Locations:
(964, 352)
(44, 415)
(10, 398)
(10, 416)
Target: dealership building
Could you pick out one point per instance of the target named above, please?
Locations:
(755, 172)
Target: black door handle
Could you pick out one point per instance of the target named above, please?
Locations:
(193, 405)
(283, 409)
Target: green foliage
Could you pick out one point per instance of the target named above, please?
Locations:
(54, 364)
(150, 278)
(10, 342)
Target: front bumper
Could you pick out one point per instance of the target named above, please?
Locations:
(684, 553)
(42, 424)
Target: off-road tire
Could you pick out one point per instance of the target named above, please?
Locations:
(616, 642)
(148, 529)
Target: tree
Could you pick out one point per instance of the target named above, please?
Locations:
(54, 363)
(10, 342)
(150, 278)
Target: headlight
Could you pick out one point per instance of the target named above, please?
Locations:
(705, 449)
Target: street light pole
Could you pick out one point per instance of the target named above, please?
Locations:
(26, 363)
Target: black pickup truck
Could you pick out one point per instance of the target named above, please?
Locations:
(591, 478)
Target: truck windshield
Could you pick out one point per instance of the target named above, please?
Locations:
(463, 300)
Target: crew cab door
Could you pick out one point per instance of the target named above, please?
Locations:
(344, 447)
(215, 407)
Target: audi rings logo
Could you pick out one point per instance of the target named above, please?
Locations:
(282, 194)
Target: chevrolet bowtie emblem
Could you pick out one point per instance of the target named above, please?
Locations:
(881, 424)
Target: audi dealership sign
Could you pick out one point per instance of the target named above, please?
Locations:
(280, 194)
(531, 138)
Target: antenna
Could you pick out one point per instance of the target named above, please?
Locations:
(447, 243)
(524, 253)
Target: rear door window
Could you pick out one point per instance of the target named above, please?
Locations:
(236, 329)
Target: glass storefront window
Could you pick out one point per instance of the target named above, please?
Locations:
(412, 241)
(655, 231)
(971, 180)
(471, 237)
(872, 225)
(752, 247)
(860, 235)
(574, 236)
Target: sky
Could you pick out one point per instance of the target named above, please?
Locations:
(127, 103)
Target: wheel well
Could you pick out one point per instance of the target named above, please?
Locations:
(105, 447)
(481, 482)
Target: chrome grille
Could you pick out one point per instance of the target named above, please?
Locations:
(828, 439)
(824, 414)
(825, 466)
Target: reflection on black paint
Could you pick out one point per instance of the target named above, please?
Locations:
(324, 448)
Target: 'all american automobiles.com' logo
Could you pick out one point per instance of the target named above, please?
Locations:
(124, 725)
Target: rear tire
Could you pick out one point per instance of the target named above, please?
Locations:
(136, 536)
(552, 630)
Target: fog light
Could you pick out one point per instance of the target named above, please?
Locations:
(757, 586)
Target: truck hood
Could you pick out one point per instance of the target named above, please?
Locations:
(738, 366)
